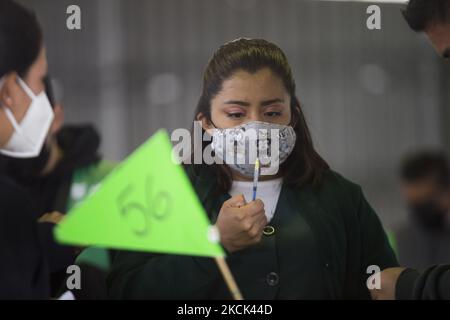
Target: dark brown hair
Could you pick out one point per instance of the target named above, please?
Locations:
(426, 164)
(20, 38)
(420, 14)
(304, 165)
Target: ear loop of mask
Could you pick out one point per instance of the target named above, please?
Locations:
(214, 125)
(15, 125)
(26, 89)
(8, 111)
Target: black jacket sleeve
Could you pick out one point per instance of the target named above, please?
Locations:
(23, 269)
(376, 248)
(58, 256)
(432, 284)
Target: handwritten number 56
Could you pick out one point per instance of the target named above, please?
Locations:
(155, 206)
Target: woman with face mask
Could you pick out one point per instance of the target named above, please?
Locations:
(25, 117)
(310, 234)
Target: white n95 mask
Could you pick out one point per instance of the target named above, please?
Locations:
(30, 134)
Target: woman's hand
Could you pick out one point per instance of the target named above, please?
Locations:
(241, 225)
(53, 217)
(388, 279)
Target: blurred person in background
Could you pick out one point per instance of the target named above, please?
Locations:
(433, 18)
(424, 239)
(67, 170)
(25, 117)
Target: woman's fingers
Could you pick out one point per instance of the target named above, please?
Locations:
(257, 226)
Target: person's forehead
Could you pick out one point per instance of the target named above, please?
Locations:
(262, 85)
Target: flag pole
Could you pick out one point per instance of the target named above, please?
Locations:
(229, 279)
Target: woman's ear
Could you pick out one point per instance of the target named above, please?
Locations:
(206, 123)
(13, 97)
(5, 84)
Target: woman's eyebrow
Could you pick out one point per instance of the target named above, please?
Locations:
(240, 103)
(272, 101)
(263, 103)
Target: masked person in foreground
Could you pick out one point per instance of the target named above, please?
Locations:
(310, 234)
(25, 117)
(67, 169)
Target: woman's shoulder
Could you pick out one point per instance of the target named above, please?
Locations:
(336, 186)
(334, 180)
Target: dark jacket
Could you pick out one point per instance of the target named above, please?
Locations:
(346, 238)
(432, 284)
(23, 269)
(79, 144)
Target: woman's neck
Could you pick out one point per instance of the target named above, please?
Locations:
(237, 176)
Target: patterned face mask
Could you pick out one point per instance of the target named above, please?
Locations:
(239, 147)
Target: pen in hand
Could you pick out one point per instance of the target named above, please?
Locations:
(255, 179)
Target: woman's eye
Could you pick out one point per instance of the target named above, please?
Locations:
(273, 114)
(235, 115)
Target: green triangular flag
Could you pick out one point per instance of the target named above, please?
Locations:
(145, 204)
